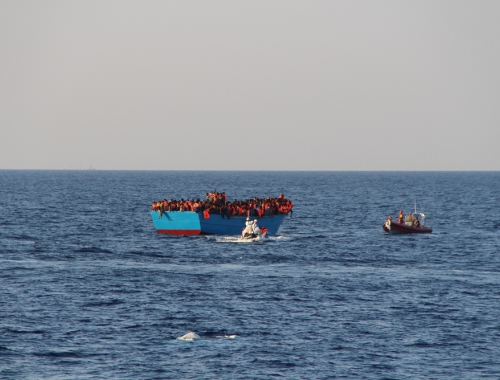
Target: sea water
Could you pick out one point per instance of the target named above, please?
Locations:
(89, 290)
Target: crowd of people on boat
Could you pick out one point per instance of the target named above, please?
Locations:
(217, 204)
(409, 220)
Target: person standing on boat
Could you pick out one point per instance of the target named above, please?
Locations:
(256, 229)
(388, 222)
(248, 229)
(400, 217)
(416, 222)
(409, 219)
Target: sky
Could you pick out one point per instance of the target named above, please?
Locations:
(250, 85)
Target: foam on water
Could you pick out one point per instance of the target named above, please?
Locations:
(237, 239)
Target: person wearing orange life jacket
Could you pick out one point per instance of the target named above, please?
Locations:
(159, 206)
(269, 210)
(259, 211)
(196, 206)
(264, 208)
(400, 217)
(206, 214)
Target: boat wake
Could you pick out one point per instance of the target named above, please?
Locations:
(237, 239)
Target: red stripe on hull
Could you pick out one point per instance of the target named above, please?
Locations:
(397, 228)
(179, 232)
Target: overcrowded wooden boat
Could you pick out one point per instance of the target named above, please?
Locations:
(215, 215)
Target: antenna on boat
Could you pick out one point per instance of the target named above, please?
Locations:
(415, 206)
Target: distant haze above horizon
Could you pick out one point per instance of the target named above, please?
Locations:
(257, 85)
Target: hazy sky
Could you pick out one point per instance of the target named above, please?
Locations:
(250, 85)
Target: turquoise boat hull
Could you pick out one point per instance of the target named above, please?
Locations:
(192, 223)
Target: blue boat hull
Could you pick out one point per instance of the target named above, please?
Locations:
(192, 223)
(177, 223)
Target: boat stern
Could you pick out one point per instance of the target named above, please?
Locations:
(176, 223)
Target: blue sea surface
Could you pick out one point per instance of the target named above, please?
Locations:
(89, 290)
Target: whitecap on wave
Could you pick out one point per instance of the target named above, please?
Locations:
(191, 336)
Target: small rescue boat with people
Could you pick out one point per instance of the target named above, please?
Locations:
(253, 232)
(413, 223)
